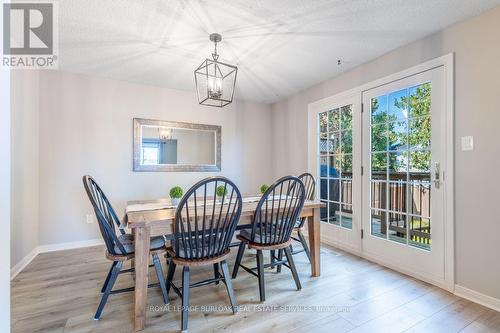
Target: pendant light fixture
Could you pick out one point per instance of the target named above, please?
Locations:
(215, 81)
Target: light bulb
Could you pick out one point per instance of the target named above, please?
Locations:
(214, 87)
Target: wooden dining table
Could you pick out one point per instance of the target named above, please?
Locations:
(146, 218)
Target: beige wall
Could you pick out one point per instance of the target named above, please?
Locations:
(85, 127)
(24, 117)
(476, 44)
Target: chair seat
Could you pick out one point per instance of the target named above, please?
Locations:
(127, 241)
(247, 234)
(198, 247)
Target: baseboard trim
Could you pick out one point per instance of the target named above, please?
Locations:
(18, 268)
(14, 271)
(398, 268)
(468, 294)
(69, 245)
(477, 297)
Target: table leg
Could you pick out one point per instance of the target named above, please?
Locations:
(313, 225)
(142, 239)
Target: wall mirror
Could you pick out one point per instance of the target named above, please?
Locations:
(175, 146)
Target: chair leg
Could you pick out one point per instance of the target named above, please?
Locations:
(185, 298)
(272, 255)
(170, 274)
(289, 257)
(237, 263)
(107, 277)
(161, 278)
(216, 272)
(109, 286)
(229, 286)
(260, 269)
(304, 244)
(280, 257)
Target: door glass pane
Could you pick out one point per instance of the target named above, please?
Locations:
(334, 190)
(323, 122)
(334, 143)
(378, 194)
(397, 105)
(379, 137)
(379, 109)
(346, 117)
(420, 100)
(400, 133)
(397, 227)
(378, 223)
(346, 137)
(333, 213)
(346, 166)
(420, 133)
(335, 157)
(334, 120)
(398, 165)
(323, 212)
(397, 196)
(397, 134)
(420, 165)
(379, 166)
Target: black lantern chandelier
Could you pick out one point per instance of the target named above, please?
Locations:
(215, 81)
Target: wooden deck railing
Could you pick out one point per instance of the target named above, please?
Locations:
(410, 197)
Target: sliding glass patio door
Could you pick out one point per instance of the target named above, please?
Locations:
(403, 155)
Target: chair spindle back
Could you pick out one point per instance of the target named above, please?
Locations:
(277, 211)
(205, 222)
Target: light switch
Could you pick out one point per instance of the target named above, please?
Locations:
(467, 143)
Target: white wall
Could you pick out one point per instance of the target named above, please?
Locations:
(5, 200)
(86, 128)
(24, 117)
(476, 45)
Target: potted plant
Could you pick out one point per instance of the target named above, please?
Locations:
(176, 195)
(221, 192)
(264, 188)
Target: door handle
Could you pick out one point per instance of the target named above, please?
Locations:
(437, 175)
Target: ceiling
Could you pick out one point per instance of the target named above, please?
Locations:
(280, 46)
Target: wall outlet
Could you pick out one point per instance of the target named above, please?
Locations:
(90, 218)
(467, 143)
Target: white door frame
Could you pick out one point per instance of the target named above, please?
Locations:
(447, 62)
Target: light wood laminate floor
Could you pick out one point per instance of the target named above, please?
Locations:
(59, 292)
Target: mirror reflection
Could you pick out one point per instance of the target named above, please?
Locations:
(169, 145)
(175, 146)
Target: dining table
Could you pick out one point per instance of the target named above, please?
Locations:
(148, 218)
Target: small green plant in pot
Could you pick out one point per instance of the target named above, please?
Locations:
(221, 192)
(176, 195)
(264, 188)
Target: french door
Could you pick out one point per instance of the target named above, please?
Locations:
(337, 172)
(379, 154)
(403, 159)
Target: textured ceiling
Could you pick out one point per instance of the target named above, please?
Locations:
(280, 46)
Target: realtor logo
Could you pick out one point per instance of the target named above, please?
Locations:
(29, 35)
